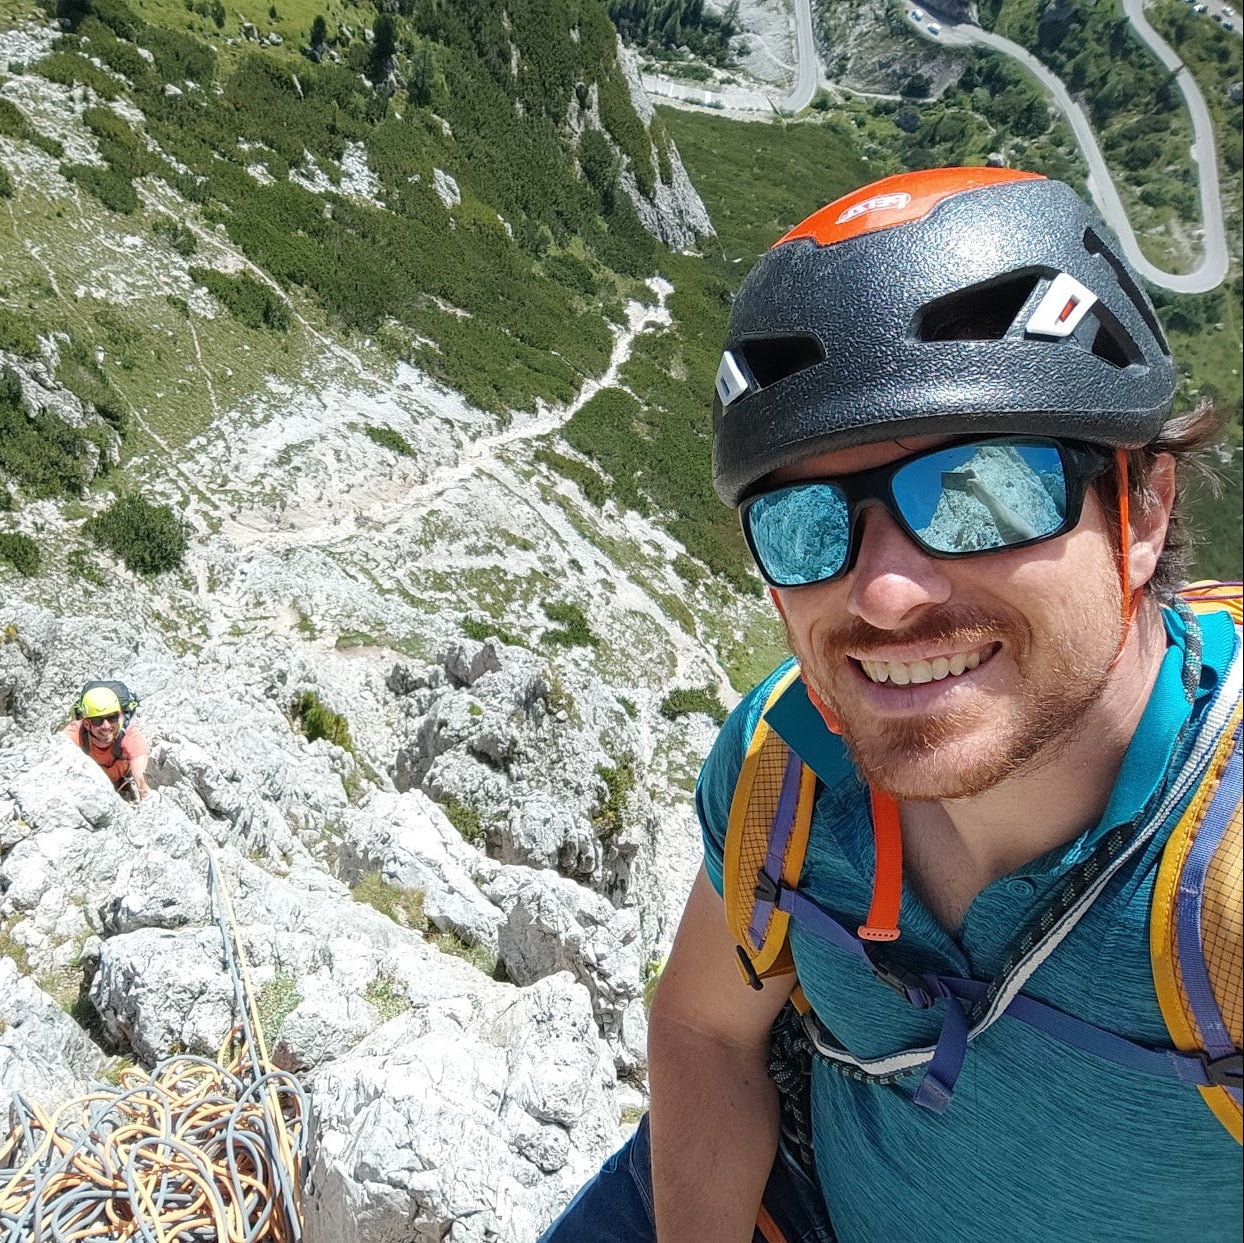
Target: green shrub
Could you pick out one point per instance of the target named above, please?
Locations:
(150, 539)
(13, 123)
(683, 701)
(44, 454)
(389, 439)
(17, 335)
(21, 552)
(111, 187)
(6, 183)
(591, 482)
(116, 15)
(465, 819)
(179, 57)
(255, 305)
(176, 234)
(402, 906)
(70, 69)
(317, 721)
(574, 631)
(479, 629)
(619, 117)
(610, 817)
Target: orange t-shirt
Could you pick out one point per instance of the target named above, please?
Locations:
(132, 744)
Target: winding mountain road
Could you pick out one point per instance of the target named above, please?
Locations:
(1213, 266)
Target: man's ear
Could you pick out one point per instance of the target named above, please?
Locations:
(1150, 522)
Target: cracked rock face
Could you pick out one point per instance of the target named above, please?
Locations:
(446, 1102)
(447, 922)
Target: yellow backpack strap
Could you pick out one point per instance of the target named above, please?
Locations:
(767, 834)
(1197, 928)
(1209, 595)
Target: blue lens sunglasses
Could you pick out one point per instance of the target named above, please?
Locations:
(973, 496)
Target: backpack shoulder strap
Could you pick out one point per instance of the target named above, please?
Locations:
(1197, 922)
(767, 833)
(1197, 929)
(1208, 595)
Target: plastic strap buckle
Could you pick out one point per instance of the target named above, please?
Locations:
(907, 984)
(767, 889)
(1225, 1072)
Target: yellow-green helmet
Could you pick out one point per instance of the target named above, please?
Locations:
(100, 701)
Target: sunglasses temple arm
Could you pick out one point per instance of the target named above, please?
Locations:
(1129, 599)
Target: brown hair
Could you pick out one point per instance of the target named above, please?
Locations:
(1188, 439)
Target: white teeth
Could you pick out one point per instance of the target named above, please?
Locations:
(917, 672)
(921, 671)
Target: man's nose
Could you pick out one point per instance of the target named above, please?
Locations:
(892, 578)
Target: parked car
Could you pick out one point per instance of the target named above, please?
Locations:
(933, 28)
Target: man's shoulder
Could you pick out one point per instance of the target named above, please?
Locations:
(134, 742)
(73, 731)
(736, 733)
(720, 773)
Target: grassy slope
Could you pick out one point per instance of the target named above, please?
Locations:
(757, 179)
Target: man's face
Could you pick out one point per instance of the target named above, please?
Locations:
(103, 729)
(949, 676)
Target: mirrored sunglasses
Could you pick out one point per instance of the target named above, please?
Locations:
(959, 500)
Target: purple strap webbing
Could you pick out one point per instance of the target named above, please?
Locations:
(1201, 1000)
(779, 837)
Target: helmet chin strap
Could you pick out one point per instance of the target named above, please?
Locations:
(1130, 600)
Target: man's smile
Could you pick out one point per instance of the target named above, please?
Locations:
(930, 669)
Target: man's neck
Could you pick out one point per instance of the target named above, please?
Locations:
(954, 849)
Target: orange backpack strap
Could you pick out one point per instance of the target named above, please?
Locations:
(770, 815)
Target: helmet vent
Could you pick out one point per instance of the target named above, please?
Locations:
(771, 359)
(1095, 246)
(982, 313)
(1113, 345)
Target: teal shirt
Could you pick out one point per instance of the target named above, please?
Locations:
(1041, 1141)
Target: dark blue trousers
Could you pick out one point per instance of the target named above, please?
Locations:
(616, 1205)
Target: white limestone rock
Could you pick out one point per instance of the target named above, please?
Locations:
(432, 1129)
(554, 925)
(44, 1054)
(408, 839)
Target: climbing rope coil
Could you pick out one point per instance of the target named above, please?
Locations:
(194, 1151)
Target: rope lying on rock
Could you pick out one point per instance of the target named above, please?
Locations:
(194, 1152)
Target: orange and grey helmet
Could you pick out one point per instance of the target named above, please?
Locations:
(954, 301)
